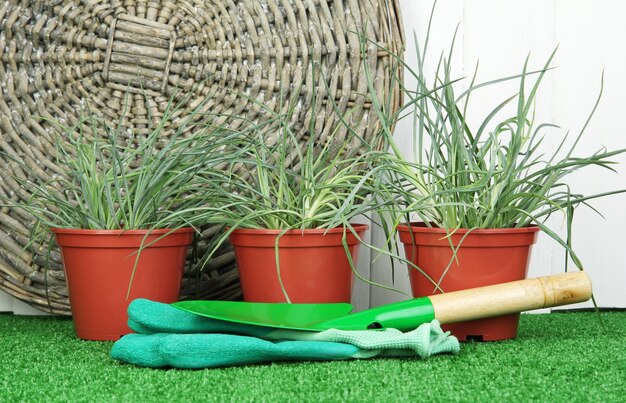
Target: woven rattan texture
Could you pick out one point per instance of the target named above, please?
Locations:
(130, 57)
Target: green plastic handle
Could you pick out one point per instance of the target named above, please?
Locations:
(403, 315)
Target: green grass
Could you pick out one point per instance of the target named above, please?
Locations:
(557, 357)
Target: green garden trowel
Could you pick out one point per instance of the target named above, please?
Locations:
(458, 306)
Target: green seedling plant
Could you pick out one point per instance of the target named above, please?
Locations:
(112, 180)
(109, 178)
(495, 175)
(288, 185)
(288, 181)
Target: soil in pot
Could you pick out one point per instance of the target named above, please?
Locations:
(484, 257)
(314, 266)
(99, 264)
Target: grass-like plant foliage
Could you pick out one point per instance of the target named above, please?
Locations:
(293, 183)
(113, 179)
(283, 174)
(288, 178)
(496, 175)
(285, 180)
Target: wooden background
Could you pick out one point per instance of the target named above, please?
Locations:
(591, 37)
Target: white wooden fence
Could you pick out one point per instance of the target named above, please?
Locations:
(591, 36)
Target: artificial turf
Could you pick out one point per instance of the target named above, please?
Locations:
(562, 357)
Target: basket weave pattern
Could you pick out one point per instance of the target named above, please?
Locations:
(127, 59)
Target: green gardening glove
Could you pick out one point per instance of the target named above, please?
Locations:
(169, 337)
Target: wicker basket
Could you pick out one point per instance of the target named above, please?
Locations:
(57, 55)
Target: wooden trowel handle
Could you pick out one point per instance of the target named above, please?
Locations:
(513, 297)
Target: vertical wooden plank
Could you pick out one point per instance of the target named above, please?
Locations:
(415, 15)
(6, 302)
(592, 37)
(499, 36)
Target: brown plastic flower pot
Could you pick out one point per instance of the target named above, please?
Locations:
(484, 257)
(314, 266)
(98, 267)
